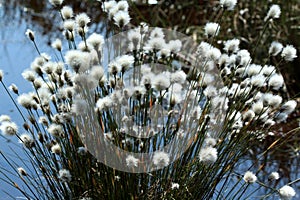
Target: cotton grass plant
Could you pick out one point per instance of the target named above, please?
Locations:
(146, 114)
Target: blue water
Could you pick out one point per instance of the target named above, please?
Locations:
(16, 54)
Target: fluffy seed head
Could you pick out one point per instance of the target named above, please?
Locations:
(30, 34)
(208, 155)
(56, 149)
(114, 68)
(57, 44)
(22, 171)
(69, 25)
(276, 81)
(1, 75)
(275, 48)
(289, 106)
(27, 140)
(272, 100)
(67, 12)
(274, 176)
(156, 43)
(253, 69)
(131, 161)
(228, 4)
(178, 77)
(289, 53)
(174, 45)
(161, 159)
(25, 100)
(249, 177)
(56, 2)
(160, 82)
(268, 70)
(96, 40)
(78, 60)
(4, 118)
(29, 75)
(244, 56)
(104, 103)
(286, 192)
(121, 18)
(97, 72)
(232, 46)
(174, 186)
(122, 5)
(125, 62)
(8, 128)
(108, 5)
(64, 175)
(274, 12)
(257, 107)
(55, 130)
(258, 80)
(211, 29)
(82, 20)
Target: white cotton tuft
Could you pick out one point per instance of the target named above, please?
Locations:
(121, 18)
(211, 29)
(276, 81)
(286, 192)
(273, 13)
(289, 106)
(96, 40)
(161, 82)
(232, 46)
(228, 4)
(258, 80)
(161, 159)
(66, 12)
(78, 60)
(82, 20)
(131, 161)
(56, 2)
(208, 155)
(249, 177)
(65, 175)
(27, 140)
(1, 75)
(274, 176)
(289, 53)
(56, 149)
(8, 128)
(275, 48)
(30, 34)
(57, 44)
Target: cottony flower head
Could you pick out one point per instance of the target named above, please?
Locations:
(211, 29)
(208, 155)
(249, 177)
(274, 12)
(161, 159)
(289, 53)
(228, 4)
(286, 192)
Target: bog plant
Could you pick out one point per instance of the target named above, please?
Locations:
(146, 114)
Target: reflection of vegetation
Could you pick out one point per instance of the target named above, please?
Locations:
(44, 18)
(244, 22)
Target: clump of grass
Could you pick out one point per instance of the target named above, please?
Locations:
(146, 114)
